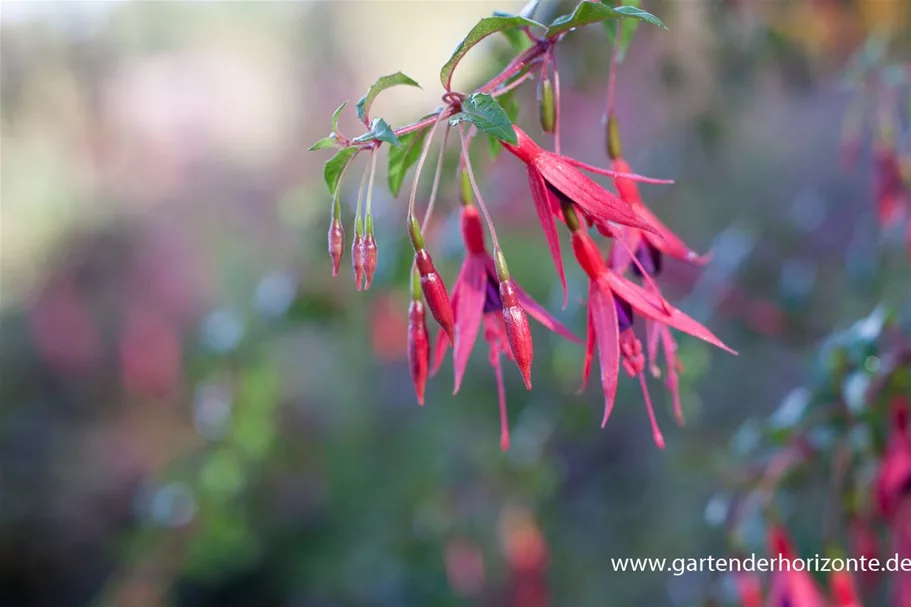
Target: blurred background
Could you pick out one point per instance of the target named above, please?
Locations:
(195, 413)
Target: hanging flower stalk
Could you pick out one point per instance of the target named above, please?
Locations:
(485, 293)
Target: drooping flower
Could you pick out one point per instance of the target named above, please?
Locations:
(418, 340)
(553, 176)
(479, 296)
(648, 247)
(612, 301)
(336, 244)
(790, 588)
(748, 588)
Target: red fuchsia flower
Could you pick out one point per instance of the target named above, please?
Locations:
(790, 588)
(480, 295)
(890, 189)
(844, 591)
(901, 542)
(432, 284)
(418, 340)
(612, 301)
(648, 247)
(553, 176)
(894, 478)
(748, 588)
(864, 543)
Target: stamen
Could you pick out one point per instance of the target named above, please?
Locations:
(501, 395)
(656, 432)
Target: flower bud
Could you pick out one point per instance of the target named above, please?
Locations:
(614, 149)
(517, 329)
(336, 244)
(473, 231)
(418, 347)
(547, 111)
(465, 189)
(435, 293)
(357, 259)
(588, 255)
(369, 253)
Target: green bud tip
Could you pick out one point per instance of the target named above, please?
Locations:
(547, 111)
(414, 231)
(467, 199)
(502, 268)
(359, 226)
(614, 148)
(572, 220)
(369, 223)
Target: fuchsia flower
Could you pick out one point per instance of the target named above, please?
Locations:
(480, 295)
(612, 301)
(894, 478)
(553, 177)
(791, 588)
(890, 190)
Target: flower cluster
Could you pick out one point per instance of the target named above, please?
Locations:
(879, 101)
(621, 278)
(849, 429)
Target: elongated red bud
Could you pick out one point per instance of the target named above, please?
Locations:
(517, 329)
(588, 255)
(435, 293)
(547, 111)
(418, 347)
(473, 231)
(369, 253)
(336, 244)
(357, 260)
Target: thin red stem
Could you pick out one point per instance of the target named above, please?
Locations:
(477, 191)
(420, 165)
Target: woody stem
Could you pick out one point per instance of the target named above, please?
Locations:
(477, 192)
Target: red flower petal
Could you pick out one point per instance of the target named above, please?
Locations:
(589, 351)
(656, 308)
(625, 175)
(591, 197)
(469, 309)
(544, 207)
(607, 333)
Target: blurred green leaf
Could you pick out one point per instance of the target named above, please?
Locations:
(593, 12)
(402, 157)
(332, 171)
(379, 131)
(325, 142)
(627, 31)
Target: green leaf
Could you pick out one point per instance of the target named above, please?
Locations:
(484, 28)
(379, 131)
(483, 111)
(593, 12)
(335, 115)
(516, 38)
(325, 142)
(332, 171)
(381, 84)
(402, 157)
(627, 31)
(510, 105)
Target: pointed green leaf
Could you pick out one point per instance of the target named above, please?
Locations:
(401, 158)
(325, 142)
(594, 12)
(381, 84)
(516, 38)
(483, 111)
(484, 28)
(510, 105)
(332, 172)
(627, 31)
(335, 115)
(379, 131)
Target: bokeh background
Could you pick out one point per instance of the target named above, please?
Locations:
(195, 413)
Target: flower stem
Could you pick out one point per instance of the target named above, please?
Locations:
(557, 108)
(612, 78)
(420, 165)
(358, 222)
(436, 179)
(370, 183)
(336, 204)
(477, 192)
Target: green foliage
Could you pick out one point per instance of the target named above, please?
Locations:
(627, 31)
(510, 105)
(483, 111)
(593, 12)
(332, 171)
(485, 27)
(379, 131)
(402, 157)
(381, 84)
